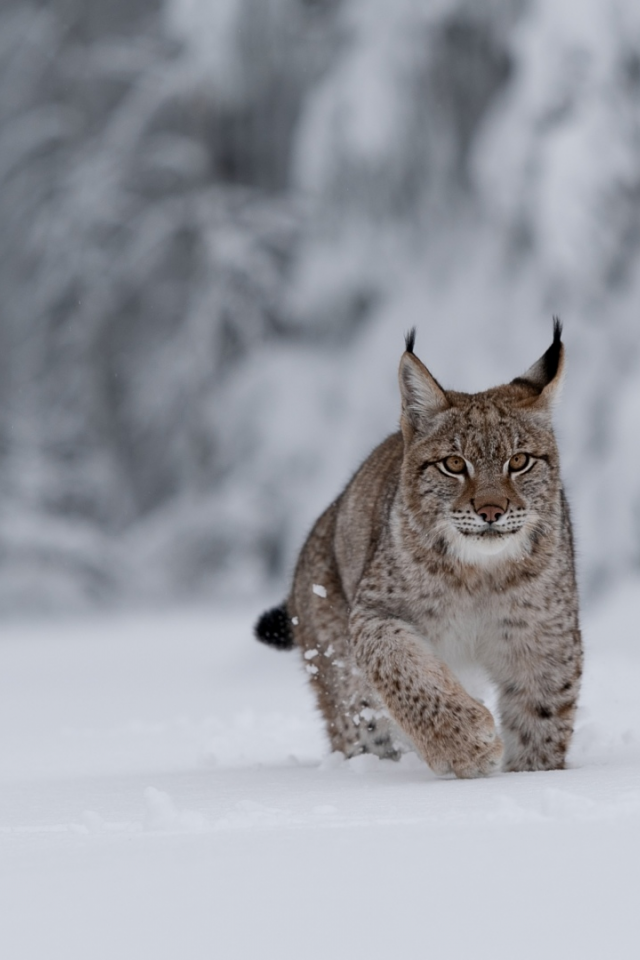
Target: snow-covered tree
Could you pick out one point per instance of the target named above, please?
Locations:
(218, 220)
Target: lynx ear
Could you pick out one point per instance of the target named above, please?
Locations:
(422, 395)
(544, 378)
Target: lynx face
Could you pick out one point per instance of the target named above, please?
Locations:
(479, 470)
(481, 480)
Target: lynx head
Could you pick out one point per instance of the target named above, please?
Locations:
(480, 473)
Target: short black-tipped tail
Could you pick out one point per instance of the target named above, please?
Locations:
(274, 628)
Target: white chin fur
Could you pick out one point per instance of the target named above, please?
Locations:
(481, 550)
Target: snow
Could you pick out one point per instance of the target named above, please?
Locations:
(166, 791)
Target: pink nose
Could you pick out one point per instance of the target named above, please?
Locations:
(490, 513)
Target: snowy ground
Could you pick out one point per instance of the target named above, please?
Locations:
(165, 792)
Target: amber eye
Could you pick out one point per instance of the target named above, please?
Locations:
(518, 462)
(454, 464)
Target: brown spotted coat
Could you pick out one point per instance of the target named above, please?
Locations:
(419, 587)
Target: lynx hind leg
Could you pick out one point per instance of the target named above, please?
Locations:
(352, 711)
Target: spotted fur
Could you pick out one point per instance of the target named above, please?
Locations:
(421, 589)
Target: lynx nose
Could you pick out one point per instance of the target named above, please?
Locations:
(490, 512)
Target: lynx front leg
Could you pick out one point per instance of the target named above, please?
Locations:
(451, 730)
(538, 697)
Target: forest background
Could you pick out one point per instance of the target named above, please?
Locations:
(218, 219)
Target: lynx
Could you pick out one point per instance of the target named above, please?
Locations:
(450, 550)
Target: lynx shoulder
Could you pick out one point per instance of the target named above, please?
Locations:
(448, 555)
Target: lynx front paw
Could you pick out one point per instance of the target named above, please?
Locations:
(464, 741)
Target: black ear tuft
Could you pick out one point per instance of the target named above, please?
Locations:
(557, 329)
(548, 368)
(410, 340)
(551, 359)
(274, 628)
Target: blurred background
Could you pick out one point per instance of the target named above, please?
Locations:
(219, 217)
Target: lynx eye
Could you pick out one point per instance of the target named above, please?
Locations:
(455, 465)
(519, 462)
